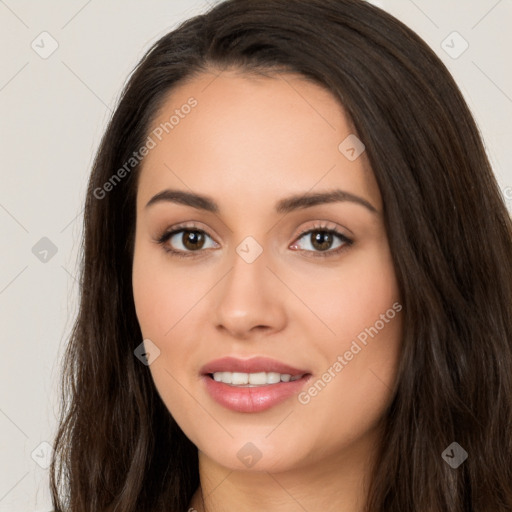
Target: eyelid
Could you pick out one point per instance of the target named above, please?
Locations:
(186, 226)
(318, 226)
(324, 226)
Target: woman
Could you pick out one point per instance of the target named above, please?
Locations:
(341, 338)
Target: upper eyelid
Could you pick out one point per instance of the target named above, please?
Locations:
(169, 233)
(321, 227)
(190, 227)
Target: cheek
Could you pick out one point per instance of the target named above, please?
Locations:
(362, 308)
(147, 297)
(162, 298)
(165, 297)
(357, 386)
(161, 294)
(354, 297)
(354, 388)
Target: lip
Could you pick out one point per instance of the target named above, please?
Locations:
(251, 399)
(255, 399)
(253, 365)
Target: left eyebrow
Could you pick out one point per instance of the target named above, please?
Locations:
(285, 205)
(308, 200)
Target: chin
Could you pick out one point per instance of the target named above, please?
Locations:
(256, 453)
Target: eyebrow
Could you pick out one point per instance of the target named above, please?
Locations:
(286, 205)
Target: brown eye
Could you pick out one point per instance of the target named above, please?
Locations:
(192, 240)
(322, 240)
(186, 241)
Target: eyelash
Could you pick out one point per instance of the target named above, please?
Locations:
(166, 235)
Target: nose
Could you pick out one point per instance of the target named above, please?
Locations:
(250, 299)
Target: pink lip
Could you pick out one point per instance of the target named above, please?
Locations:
(253, 365)
(254, 399)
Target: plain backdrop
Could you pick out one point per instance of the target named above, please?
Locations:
(54, 108)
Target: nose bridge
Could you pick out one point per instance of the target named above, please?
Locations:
(247, 296)
(249, 273)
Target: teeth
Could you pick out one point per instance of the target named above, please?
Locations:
(250, 380)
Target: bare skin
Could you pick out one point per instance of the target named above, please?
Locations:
(248, 144)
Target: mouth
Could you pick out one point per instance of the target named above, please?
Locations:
(234, 370)
(252, 385)
(254, 380)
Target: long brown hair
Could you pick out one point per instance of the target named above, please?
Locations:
(117, 446)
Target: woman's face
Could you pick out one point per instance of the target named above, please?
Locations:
(261, 276)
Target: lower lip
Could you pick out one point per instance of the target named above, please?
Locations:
(255, 399)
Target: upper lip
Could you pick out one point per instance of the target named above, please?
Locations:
(253, 365)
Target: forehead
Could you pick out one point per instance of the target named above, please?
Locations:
(252, 137)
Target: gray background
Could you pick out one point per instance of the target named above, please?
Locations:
(54, 111)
